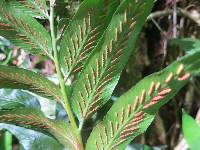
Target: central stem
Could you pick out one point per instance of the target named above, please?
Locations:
(59, 74)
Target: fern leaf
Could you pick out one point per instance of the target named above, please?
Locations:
(99, 78)
(36, 120)
(24, 31)
(84, 32)
(35, 8)
(134, 111)
(16, 78)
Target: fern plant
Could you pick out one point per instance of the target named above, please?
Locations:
(90, 51)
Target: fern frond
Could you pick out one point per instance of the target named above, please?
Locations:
(35, 8)
(23, 30)
(134, 111)
(35, 120)
(16, 78)
(100, 76)
(84, 32)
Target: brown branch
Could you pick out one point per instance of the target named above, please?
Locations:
(180, 12)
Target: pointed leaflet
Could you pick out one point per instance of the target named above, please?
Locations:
(36, 120)
(134, 111)
(84, 32)
(99, 78)
(23, 30)
(35, 8)
(16, 78)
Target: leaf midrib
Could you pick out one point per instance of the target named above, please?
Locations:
(131, 117)
(103, 73)
(107, 63)
(78, 54)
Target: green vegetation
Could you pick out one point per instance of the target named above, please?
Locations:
(89, 52)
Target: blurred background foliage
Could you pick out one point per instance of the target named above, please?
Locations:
(155, 50)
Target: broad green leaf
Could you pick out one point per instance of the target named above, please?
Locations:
(36, 120)
(191, 131)
(32, 140)
(186, 44)
(35, 8)
(134, 111)
(24, 31)
(16, 78)
(84, 32)
(10, 98)
(101, 74)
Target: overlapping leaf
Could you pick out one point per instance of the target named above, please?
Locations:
(135, 110)
(31, 140)
(35, 8)
(35, 120)
(99, 78)
(23, 30)
(84, 32)
(16, 78)
(10, 98)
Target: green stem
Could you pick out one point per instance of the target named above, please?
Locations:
(6, 141)
(59, 74)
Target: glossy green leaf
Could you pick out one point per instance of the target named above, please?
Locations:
(24, 31)
(101, 74)
(191, 131)
(84, 32)
(16, 78)
(134, 111)
(35, 120)
(17, 98)
(32, 140)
